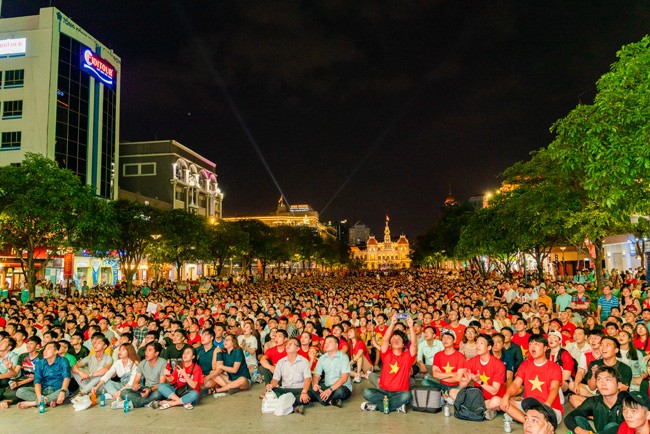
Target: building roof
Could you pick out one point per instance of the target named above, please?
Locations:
(372, 240)
(402, 240)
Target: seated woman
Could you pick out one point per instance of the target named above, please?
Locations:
(124, 369)
(234, 372)
(184, 382)
(358, 355)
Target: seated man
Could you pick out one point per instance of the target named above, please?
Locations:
(487, 373)
(293, 374)
(539, 418)
(540, 379)
(152, 370)
(636, 411)
(448, 364)
(51, 380)
(26, 366)
(605, 409)
(178, 345)
(88, 371)
(428, 349)
(9, 367)
(395, 372)
(273, 355)
(334, 365)
(206, 357)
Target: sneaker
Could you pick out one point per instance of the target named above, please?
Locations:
(507, 417)
(300, 409)
(218, 394)
(357, 379)
(490, 414)
(259, 379)
(117, 405)
(188, 406)
(367, 374)
(108, 397)
(449, 401)
(368, 406)
(401, 408)
(337, 403)
(153, 405)
(232, 391)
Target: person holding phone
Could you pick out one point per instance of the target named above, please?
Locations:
(184, 382)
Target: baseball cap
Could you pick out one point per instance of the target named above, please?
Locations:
(640, 399)
(555, 333)
(534, 404)
(448, 332)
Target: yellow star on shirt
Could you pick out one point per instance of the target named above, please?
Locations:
(394, 368)
(524, 352)
(448, 369)
(484, 378)
(536, 383)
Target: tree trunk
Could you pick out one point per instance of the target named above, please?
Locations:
(599, 264)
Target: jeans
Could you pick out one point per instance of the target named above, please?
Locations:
(166, 390)
(341, 393)
(279, 391)
(395, 399)
(268, 375)
(585, 423)
(427, 382)
(111, 387)
(29, 394)
(138, 400)
(86, 385)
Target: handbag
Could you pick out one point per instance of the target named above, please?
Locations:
(184, 389)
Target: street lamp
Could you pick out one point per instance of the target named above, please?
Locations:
(563, 263)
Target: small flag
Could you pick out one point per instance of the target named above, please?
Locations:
(387, 218)
(280, 200)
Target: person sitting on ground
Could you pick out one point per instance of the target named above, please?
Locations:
(231, 362)
(88, 371)
(485, 372)
(395, 372)
(540, 379)
(539, 418)
(605, 409)
(206, 357)
(427, 349)
(273, 355)
(27, 366)
(124, 368)
(152, 370)
(9, 367)
(183, 384)
(360, 358)
(331, 383)
(293, 375)
(448, 365)
(560, 356)
(636, 411)
(580, 387)
(51, 380)
(177, 348)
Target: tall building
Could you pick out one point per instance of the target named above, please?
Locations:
(60, 97)
(359, 234)
(169, 175)
(385, 255)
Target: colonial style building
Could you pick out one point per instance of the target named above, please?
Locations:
(386, 255)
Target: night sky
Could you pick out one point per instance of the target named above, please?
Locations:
(360, 108)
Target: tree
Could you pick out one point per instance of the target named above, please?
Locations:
(183, 238)
(225, 240)
(42, 206)
(129, 232)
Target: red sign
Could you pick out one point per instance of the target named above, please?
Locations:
(68, 260)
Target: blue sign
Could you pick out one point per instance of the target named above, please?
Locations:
(98, 68)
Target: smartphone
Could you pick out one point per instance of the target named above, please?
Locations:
(402, 315)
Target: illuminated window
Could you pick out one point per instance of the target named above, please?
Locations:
(12, 109)
(14, 78)
(11, 140)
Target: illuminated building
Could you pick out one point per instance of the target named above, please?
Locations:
(386, 255)
(359, 234)
(60, 97)
(168, 175)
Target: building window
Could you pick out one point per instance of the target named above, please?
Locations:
(14, 78)
(138, 169)
(12, 109)
(11, 140)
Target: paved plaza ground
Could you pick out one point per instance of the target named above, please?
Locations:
(241, 413)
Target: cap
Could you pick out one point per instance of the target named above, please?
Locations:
(555, 333)
(640, 399)
(448, 332)
(534, 404)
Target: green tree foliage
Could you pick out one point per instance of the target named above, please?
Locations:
(443, 237)
(183, 238)
(42, 206)
(225, 240)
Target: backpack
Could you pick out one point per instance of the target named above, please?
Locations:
(470, 404)
(558, 360)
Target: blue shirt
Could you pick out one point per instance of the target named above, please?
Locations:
(334, 368)
(52, 375)
(607, 306)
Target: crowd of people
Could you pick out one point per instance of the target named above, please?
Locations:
(535, 349)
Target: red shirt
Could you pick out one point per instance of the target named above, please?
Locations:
(537, 381)
(396, 371)
(196, 374)
(460, 332)
(567, 363)
(359, 346)
(274, 355)
(449, 364)
(522, 341)
(624, 429)
(494, 371)
(195, 340)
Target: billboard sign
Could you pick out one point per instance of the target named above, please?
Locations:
(98, 67)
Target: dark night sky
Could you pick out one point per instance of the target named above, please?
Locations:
(399, 98)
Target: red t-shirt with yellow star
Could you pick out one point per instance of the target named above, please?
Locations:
(449, 364)
(522, 341)
(494, 371)
(537, 380)
(396, 371)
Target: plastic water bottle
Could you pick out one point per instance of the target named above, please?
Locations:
(126, 404)
(386, 409)
(256, 374)
(102, 400)
(446, 410)
(41, 405)
(507, 427)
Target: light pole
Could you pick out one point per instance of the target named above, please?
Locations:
(563, 264)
